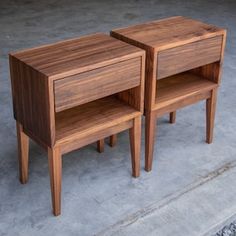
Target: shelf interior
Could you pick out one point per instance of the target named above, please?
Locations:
(93, 116)
(177, 87)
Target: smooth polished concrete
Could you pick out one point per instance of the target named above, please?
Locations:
(191, 189)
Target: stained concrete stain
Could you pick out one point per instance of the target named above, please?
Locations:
(130, 16)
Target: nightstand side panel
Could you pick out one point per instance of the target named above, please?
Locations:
(16, 86)
(31, 99)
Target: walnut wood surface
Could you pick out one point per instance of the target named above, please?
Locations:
(75, 56)
(174, 45)
(181, 102)
(100, 145)
(150, 132)
(113, 140)
(188, 56)
(23, 153)
(135, 96)
(181, 86)
(158, 36)
(167, 33)
(32, 81)
(91, 117)
(78, 141)
(210, 71)
(33, 107)
(88, 86)
(135, 143)
(55, 169)
(210, 115)
(60, 98)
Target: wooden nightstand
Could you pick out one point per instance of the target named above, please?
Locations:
(183, 66)
(72, 93)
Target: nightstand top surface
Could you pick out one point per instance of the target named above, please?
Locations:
(170, 32)
(78, 55)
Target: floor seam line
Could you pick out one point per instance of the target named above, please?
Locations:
(148, 210)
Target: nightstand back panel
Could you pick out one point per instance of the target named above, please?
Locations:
(31, 101)
(210, 71)
(188, 56)
(85, 87)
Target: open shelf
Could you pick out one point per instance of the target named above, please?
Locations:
(177, 87)
(93, 116)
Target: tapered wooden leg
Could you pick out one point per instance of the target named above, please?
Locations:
(135, 143)
(210, 115)
(113, 140)
(100, 145)
(150, 127)
(55, 166)
(172, 117)
(23, 153)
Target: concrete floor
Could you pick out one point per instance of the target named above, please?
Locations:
(191, 190)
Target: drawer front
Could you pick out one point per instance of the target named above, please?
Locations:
(189, 56)
(88, 86)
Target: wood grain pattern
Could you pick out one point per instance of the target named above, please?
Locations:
(135, 96)
(210, 115)
(188, 56)
(33, 112)
(160, 35)
(150, 69)
(174, 45)
(81, 140)
(75, 56)
(210, 71)
(180, 86)
(150, 132)
(93, 116)
(23, 153)
(180, 103)
(167, 33)
(88, 86)
(135, 143)
(34, 70)
(55, 169)
(60, 99)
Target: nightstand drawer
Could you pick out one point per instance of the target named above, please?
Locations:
(88, 86)
(188, 56)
